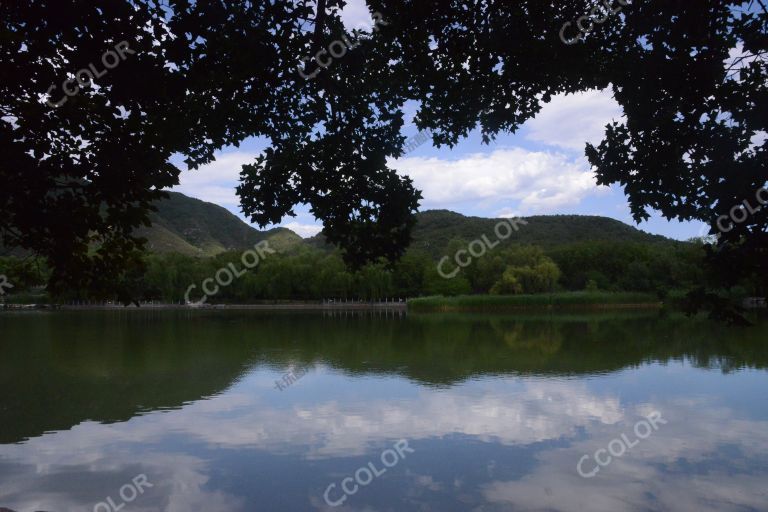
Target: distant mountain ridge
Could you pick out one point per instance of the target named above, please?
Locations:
(436, 228)
(193, 227)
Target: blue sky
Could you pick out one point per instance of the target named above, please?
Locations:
(539, 170)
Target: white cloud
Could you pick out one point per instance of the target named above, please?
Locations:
(515, 413)
(719, 445)
(651, 468)
(540, 182)
(507, 213)
(523, 181)
(569, 121)
(506, 180)
(355, 15)
(758, 139)
(303, 230)
(216, 182)
(738, 59)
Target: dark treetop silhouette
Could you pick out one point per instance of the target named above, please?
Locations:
(77, 179)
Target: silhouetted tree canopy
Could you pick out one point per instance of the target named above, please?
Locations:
(78, 176)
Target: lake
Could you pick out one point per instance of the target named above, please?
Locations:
(380, 411)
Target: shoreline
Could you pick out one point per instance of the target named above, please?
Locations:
(535, 307)
(402, 306)
(303, 306)
(558, 302)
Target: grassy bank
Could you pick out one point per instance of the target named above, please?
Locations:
(555, 300)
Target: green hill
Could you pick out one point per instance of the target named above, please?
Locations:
(436, 228)
(193, 227)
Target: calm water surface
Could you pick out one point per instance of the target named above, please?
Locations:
(496, 411)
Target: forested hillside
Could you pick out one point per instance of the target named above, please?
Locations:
(193, 227)
(191, 241)
(435, 229)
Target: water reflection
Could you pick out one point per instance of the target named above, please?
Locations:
(498, 410)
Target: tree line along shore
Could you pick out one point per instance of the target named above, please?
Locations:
(609, 273)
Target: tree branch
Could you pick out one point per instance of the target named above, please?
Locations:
(319, 25)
